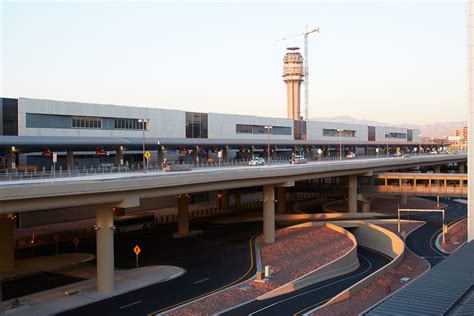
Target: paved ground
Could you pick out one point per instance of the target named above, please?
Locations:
(315, 294)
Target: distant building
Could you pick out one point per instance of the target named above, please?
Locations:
(460, 133)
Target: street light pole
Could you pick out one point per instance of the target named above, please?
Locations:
(340, 130)
(143, 121)
(268, 128)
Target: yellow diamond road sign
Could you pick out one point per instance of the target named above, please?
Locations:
(137, 250)
(147, 155)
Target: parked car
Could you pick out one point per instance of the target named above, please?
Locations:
(351, 156)
(298, 159)
(257, 162)
(397, 154)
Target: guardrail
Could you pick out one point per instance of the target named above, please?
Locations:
(43, 173)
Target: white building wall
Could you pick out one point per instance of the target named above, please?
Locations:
(223, 126)
(163, 123)
(315, 131)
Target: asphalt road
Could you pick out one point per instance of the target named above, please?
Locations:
(218, 257)
(422, 240)
(316, 294)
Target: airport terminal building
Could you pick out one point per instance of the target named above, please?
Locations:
(31, 127)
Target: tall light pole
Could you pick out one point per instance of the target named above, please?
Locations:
(340, 130)
(386, 136)
(269, 130)
(144, 122)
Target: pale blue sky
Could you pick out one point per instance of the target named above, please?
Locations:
(392, 62)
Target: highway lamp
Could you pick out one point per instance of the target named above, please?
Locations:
(340, 130)
(144, 122)
(387, 137)
(269, 130)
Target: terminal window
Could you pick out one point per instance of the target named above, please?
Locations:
(129, 124)
(86, 122)
(396, 135)
(260, 129)
(196, 125)
(335, 132)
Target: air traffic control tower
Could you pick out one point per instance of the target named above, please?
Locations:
(293, 76)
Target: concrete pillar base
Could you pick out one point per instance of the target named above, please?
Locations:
(188, 234)
(269, 214)
(105, 248)
(352, 194)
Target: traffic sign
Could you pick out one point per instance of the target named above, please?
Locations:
(137, 250)
(56, 237)
(147, 155)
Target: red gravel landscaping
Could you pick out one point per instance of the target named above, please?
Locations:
(295, 252)
(411, 267)
(456, 236)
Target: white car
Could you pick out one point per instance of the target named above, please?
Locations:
(257, 162)
(397, 154)
(298, 159)
(351, 156)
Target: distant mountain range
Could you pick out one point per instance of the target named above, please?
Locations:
(438, 129)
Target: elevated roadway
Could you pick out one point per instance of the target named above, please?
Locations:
(419, 184)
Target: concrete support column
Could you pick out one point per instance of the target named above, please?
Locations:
(161, 155)
(352, 193)
(225, 153)
(196, 155)
(225, 200)
(105, 248)
(237, 200)
(404, 199)
(118, 157)
(281, 200)
(183, 214)
(11, 159)
(366, 207)
(7, 244)
(71, 164)
(269, 213)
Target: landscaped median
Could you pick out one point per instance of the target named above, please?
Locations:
(383, 282)
(296, 257)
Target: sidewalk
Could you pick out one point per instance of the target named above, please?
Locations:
(56, 301)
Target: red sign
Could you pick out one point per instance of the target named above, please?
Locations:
(47, 154)
(101, 153)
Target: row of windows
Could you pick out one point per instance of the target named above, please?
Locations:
(86, 122)
(341, 133)
(129, 124)
(396, 135)
(262, 129)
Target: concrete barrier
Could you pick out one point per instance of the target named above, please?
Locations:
(345, 264)
(377, 238)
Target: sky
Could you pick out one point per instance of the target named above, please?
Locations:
(394, 62)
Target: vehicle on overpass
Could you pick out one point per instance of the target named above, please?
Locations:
(134, 221)
(257, 162)
(298, 159)
(351, 156)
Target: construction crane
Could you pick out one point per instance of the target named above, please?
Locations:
(306, 69)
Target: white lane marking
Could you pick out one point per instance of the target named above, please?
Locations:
(131, 304)
(321, 287)
(200, 281)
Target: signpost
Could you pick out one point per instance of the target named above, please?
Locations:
(147, 156)
(137, 251)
